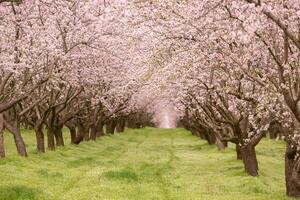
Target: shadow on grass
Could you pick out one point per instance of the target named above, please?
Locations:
(19, 192)
(127, 174)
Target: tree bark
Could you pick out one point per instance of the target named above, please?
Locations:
(87, 134)
(238, 152)
(13, 127)
(292, 172)
(59, 136)
(82, 131)
(20, 143)
(250, 160)
(210, 137)
(40, 141)
(220, 144)
(50, 138)
(202, 135)
(110, 127)
(100, 131)
(72, 134)
(120, 125)
(2, 149)
(93, 132)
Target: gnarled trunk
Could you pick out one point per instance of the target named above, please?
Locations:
(2, 149)
(120, 125)
(292, 172)
(87, 134)
(250, 160)
(210, 137)
(100, 131)
(40, 141)
(93, 132)
(20, 143)
(59, 136)
(71, 125)
(50, 138)
(238, 151)
(218, 140)
(110, 127)
(83, 129)
(72, 134)
(13, 126)
(221, 146)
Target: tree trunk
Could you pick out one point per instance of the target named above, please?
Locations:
(87, 134)
(292, 172)
(93, 133)
(120, 126)
(13, 127)
(40, 142)
(72, 134)
(132, 123)
(59, 136)
(220, 144)
(249, 160)
(211, 139)
(2, 149)
(50, 138)
(19, 142)
(238, 152)
(82, 131)
(110, 127)
(202, 135)
(218, 140)
(272, 135)
(100, 131)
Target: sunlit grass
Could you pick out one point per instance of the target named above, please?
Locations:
(140, 164)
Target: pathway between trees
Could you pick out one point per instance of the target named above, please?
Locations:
(141, 164)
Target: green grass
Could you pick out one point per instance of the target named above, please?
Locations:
(156, 164)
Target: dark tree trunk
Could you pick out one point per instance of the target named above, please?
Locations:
(193, 131)
(2, 149)
(292, 172)
(218, 140)
(220, 144)
(13, 127)
(59, 136)
(93, 132)
(51, 131)
(110, 127)
(202, 136)
(131, 123)
(19, 143)
(238, 152)
(100, 131)
(50, 138)
(273, 135)
(120, 126)
(211, 139)
(82, 132)
(40, 141)
(72, 134)
(87, 134)
(249, 160)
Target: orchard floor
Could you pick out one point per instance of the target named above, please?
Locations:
(144, 164)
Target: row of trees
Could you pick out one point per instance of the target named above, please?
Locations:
(232, 70)
(66, 64)
(230, 67)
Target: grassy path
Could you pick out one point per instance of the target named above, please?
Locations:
(140, 164)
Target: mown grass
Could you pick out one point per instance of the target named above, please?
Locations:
(157, 164)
